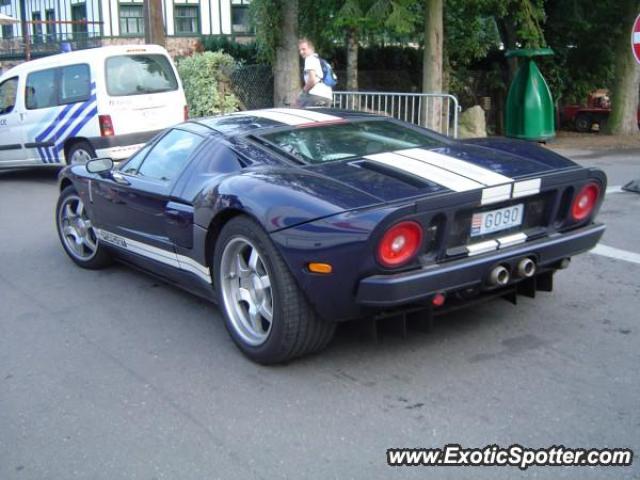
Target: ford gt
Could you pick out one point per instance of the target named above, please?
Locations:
(294, 220)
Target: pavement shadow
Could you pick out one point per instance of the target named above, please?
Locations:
(43, 175)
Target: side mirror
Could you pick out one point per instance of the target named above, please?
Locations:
(99, 165)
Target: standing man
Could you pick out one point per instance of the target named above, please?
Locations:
(315, 92)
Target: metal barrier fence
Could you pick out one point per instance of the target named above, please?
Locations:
(437, 111)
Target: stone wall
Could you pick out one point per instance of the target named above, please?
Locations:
(176, 46)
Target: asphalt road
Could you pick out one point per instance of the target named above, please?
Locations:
(114, 375)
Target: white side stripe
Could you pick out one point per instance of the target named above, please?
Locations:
(158, 254)
(310, 115)
(455, 165)
(424, 170)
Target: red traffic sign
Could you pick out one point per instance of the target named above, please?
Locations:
(635, 39)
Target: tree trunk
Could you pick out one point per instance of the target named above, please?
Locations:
(286, 70)
(352, 59)
(153, 22)
(432, 62)
(624, 99)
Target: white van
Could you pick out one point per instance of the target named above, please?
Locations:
(101, 102)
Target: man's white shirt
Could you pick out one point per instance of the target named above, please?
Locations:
(312, 62)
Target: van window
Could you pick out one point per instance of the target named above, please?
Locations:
(41, 89)
(75, 83)
(8, 91)
(139, 74)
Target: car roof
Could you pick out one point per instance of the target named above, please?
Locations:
(259, 121)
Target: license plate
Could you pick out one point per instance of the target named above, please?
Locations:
(496, 220)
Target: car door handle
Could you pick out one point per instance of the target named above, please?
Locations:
(119, 178)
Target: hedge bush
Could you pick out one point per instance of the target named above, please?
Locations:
(205, 77)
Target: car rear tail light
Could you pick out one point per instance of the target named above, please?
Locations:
(186, 112)
(106, 126)
(400, 244)
(585, 201)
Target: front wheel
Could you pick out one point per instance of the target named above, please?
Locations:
(76, 232)
(265, 312)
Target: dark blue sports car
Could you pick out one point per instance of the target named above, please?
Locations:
(293, 220)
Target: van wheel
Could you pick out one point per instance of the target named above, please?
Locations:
(80, 153)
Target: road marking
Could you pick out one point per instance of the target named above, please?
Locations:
(616, 253)
(615, 189)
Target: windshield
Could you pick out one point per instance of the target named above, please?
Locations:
(349, 140)
(138, 74)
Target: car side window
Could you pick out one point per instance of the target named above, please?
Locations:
(41, 89)
(75, 83)
(8, 93)
(131, 166)
(169, 155)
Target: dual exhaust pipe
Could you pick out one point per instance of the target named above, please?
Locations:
(500, 275)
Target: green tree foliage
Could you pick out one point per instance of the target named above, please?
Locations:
(204, 77)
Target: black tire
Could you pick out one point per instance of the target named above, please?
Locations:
(295, 329)
(82, 151)
(583, 123)
(100, 257)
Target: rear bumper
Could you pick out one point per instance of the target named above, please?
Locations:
(385, 291)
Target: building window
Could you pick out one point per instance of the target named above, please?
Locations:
(240, 20)
(5, 3)
(187, 19)
(79, 17)
(50, 16)
(37, 27)
(7, 31)
(131, 19)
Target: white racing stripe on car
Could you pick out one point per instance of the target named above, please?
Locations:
(526, 188)
(158, 254)
(426, 171)
(491, 245)
(309, 115)
(280, 117)
(511, 240)
(482, 247)
(455, 165)
(496, 194)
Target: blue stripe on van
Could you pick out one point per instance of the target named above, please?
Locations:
(54, 132)
(62, 125)
(92, 113)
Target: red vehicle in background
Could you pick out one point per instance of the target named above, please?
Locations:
(591, 117)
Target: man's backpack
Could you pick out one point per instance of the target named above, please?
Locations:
(329, 78)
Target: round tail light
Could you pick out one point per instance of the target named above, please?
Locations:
(585, 202)
(400, 244)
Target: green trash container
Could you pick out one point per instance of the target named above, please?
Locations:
(530, 111)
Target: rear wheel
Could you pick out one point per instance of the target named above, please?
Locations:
(80, 153)
(76, 232)
(265, 312)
